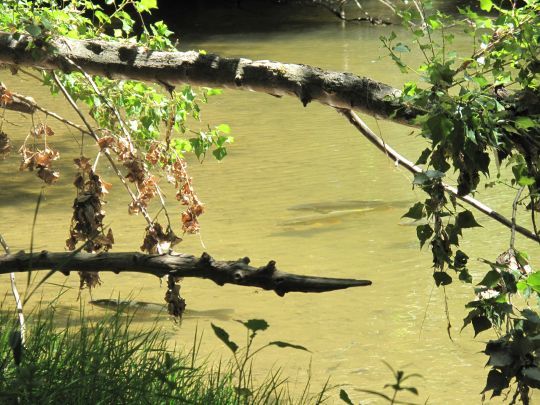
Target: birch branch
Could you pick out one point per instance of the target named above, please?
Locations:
(16, 295)
(411, 167)
(118, 60)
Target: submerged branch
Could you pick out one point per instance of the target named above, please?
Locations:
(411, 167)
(237, 272)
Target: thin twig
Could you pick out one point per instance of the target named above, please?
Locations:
(16, 295)
(514, 211)
(105, 151)
(411, 167)
(105, 99)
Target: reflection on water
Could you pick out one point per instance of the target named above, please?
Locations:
(142, 309)
(300, 186)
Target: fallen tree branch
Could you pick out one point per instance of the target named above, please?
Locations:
(237, 272)
(411, 167)
(125, 61)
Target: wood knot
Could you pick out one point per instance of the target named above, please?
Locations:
(205, 259)
(269, 269)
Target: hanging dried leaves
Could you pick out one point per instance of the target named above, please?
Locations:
(40, 160)
(87, 221)
(146, 183)
(158, 241)
(186, 195)
(6, 97)
(5, 145)
(176, 305)
(42, 131)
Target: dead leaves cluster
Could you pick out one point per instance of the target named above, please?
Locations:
(35, 157)
(87, 221)
(176, 305)
(5, 145)
(187, 197)
(158, 241)
(6, 97)
(147, 186)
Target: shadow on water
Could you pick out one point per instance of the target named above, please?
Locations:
(141, 309)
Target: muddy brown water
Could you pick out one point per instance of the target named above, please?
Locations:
(302, 187)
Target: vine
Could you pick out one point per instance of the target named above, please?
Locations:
(480, 109)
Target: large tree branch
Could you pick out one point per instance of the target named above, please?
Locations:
(411, 167)
(178, 265)
(126, 61)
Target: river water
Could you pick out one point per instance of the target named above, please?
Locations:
(299, 186)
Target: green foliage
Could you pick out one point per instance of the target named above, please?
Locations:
(112, 361)
(106, 361)
(243, 357)
(397, 387)
(474, 110)
(147, 112)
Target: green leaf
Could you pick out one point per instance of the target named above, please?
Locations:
(480, 324)
(224, 128)
(420, 179)
(281, 344)
(423, 232)
(145, 5)
(491, 279)
(496, 382)
(422, 160)
(412, 390)
(526, 181)
(440, 128)
(400, 47)
(224, 337)
(533, 281)
(434, 174)
(465, 276)
(531, 316)
(255, 325)
(525, 123)
(500, 358)
(17, 348)
(460, 259)
(33, 29)
(442, 278)
(486, 5)
(466, 219)
(219, 153)
(415, 212)
(532, 373)
(345, 397)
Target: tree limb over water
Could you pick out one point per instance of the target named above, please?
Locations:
(126, 61)
(237, 272)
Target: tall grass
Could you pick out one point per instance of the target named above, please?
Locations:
(110, 361)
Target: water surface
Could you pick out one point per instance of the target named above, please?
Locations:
(302, 187)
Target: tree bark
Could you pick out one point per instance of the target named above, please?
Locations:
(237, 272)
(126, 61)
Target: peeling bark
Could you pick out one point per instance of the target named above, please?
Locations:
(237, 272)
(126, 61)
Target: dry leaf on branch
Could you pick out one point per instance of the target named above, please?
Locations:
(5, 145)
(158, 241)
